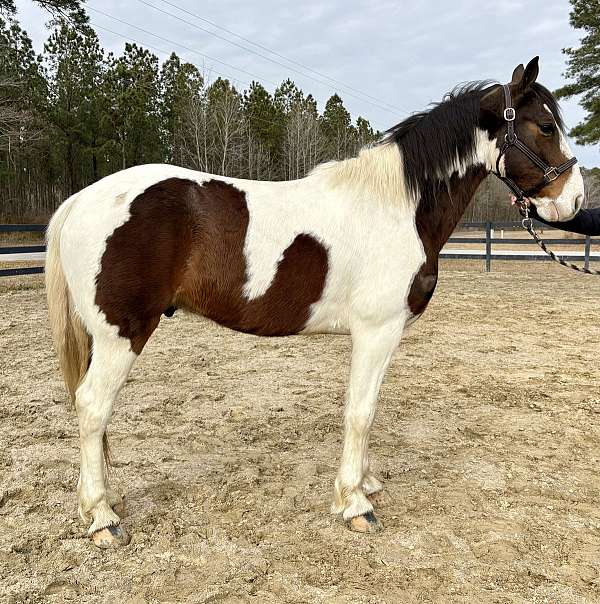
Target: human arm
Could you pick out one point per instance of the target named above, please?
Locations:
(585, 222)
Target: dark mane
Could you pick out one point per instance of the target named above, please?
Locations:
(433, 141)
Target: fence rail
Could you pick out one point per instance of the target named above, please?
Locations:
(21, 249)
(586, 255)
(487, 254)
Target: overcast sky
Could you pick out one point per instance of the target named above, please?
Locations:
(402, 54)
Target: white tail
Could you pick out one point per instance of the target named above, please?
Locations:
(71, 340)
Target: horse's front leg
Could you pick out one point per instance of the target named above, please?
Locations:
(372, 350)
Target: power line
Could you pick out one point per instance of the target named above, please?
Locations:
(96, 10)
(211, 33)
(166, 52)
(277, 54)
(160, 50)
(169, 41)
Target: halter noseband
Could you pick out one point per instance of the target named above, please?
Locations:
(511, 140)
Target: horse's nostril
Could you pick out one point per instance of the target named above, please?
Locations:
(578, 202)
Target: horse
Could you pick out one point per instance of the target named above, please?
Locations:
(352, 248)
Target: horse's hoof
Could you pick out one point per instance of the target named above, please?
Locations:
(111, 536)
(365, 523)
(378, 499)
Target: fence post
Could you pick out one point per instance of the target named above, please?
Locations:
(587, 252)
(488, 247)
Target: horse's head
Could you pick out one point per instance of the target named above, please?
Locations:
(524, 119)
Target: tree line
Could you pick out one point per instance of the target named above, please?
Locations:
(75, 114)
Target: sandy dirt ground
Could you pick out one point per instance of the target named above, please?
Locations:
(226, 447)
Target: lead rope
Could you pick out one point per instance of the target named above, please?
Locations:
(527, 224)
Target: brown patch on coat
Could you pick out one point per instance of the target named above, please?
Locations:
(437, 215)
(144, 261)
(183, 246)
(214, 279)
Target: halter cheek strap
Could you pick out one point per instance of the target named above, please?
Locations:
(511, 140)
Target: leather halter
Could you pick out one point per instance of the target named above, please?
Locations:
(511, 140)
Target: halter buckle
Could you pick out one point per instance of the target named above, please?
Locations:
(510, 114)
(551, 174)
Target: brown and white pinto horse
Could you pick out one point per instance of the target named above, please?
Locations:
(352, 248)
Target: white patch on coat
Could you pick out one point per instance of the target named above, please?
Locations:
(360, 210)
(485, 153)
(376, 174)
(340, 205)
(486, 150)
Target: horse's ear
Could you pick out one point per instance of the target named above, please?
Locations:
(523, 78)
(517, 75)
(531, 73)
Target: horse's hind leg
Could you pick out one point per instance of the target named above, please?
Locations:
(112, 359)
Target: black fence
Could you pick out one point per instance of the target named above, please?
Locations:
(487, 254)
(21, 249)
(491, 228)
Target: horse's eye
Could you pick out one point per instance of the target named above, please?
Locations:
(547, 129)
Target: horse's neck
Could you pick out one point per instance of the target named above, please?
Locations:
(441, 209)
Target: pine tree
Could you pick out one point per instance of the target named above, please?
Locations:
(584, 68)
(286, 96)
(337, 128)
(132, 108)
(75, 70)
(22, 85)
(265, 128)
(181, 83)
(364, 132)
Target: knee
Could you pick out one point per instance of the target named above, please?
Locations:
(93, 412)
